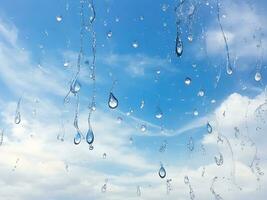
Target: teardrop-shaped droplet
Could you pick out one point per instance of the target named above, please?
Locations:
(75, 86)
(17, 119)
(257, 76)
(219, 161)
(113, 101)
(143, 128)
(162, 172)
(77, 138)
(159, 113)
(179, 46)
(209, 128)
(229, 70)
(90, 136)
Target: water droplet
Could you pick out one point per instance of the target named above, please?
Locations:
(104, 188)
(186, 180)
(229, 70)
(195, 113)
(119, 120)
(112, 102)
(104, 155)
(117, 19)
(201, 93)
(77, 138)
(91, 147)
(66, 64)
(131, 140)
(190, 144)
(257, 76)
(219, 161)
(135, 44)
(17, 118)
(109, 34)
(164, 7)
(142, 104)
(190, 38)
(141, 18)
(138, 191)
(162, 172)
(159, 113)
(187, 81)
(75, 87)
(209, 128)
(179, 46)
(59, 18)
(90, 136)
(143, 128)
(213, 101)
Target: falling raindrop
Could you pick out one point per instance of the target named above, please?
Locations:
(113, 101)
(159, 113)
(187, 81)
(257, 76)
(209, 128)
(59, 18)
(179, 46)
(143, 128)
(90, 136)
(162, 172)
(135, 44)
(75, 86)
(219, 161)
(77, 138)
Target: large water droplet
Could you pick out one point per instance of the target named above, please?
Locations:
(75, 86)
(257, 76)
(90, 136)
(113, 101)
(17, 119)
(162, 172)
(159, 113)
(59, 18)
(179, 46)
(209, 128)
(77, 138)
(187, 81)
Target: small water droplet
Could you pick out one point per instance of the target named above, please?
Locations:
(229, 70)
(138, 191)
(190, 38)
(179, 46)
(59, 18)
(90, 136)
(66, 64)
(162, 172)
(113, 101)
(75, 87)
(17, 118)
(135, 44)
(187, 81)
(195, 113)
(77, 138)
(141, 18)
(219, 161)
(159, 113)
(142, 104)
(164, 7)
(190, 144)
(257, 76)
(104, 156)
(186, 180)
(109, 34)
(201, 93)
(209, 128)
(119, 120)
(143, 128)
(104, 188)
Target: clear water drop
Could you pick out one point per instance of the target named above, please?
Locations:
(190, 38)
(201, 93)
(187, 81)
(119, 120)
(113, 101)
(90, 136)
(162, 172)
(186, 180)
(141, 18)
(179, 46)
(164, 7)
(77, 138)
(104, 188)
(59, 18)
(190, 144)
(143, 128)
(104, 156)
(219, 161)
(209, 128)
(229, 70)
(195, 113)
(159, 113)
(138, 191)
(66, 64)
(75, 86)
(135, 44)
(109, 34)
(257, 76)
(17, 119)
(142, 104)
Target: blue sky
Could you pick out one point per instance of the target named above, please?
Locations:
(33, 49)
